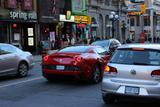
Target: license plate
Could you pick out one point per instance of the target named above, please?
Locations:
(131, 90)
(60, 67)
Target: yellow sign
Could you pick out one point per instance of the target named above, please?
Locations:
(143, 8)
(82, 19)
(142, 11)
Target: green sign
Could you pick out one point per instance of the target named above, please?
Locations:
(79, 7)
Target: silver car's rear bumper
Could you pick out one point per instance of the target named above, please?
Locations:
(118, 88)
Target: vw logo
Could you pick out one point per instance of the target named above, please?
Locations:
(133, 72)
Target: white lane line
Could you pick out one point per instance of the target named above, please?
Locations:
(17, 83)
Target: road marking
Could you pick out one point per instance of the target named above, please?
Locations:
(16, 83)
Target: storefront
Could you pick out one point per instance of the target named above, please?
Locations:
(82, 25)
(18, 21)
(18, 28)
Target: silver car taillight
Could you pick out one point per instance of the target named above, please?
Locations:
(156, 74)
(110, 70)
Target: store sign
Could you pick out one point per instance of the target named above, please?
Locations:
(133, 8)
(83, 19)
(23, 15)
(137, 11)
(63, 18)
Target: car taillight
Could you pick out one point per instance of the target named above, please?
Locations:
(109, 69)
(78, 58)
(45, 58)
(155, 73)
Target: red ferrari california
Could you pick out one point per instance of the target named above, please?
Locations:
(82, 62)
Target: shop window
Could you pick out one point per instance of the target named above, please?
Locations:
(27, 5)
(146, 20)
(30, 32)
(12, 4)
(53, 7)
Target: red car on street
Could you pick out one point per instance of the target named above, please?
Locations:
(82, 62)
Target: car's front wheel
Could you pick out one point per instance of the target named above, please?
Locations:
(22, 69)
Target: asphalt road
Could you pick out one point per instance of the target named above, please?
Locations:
(35, 91)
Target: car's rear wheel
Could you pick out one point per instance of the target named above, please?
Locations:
(22, 69)
(108, 99)
(96, 76)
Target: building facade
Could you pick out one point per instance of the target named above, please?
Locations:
(144, 19)
(18, 23)
(102, 26)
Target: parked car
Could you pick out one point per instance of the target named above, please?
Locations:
(110, 45)
(14, 61)
(81, 62)
(134, 70)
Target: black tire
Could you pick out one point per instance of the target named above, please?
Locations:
(109, 99)
(22, 69)
(96, 76)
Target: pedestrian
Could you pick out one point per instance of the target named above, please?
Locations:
(128, 40)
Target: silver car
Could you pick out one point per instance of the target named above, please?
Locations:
(133, 70)
(14, 61)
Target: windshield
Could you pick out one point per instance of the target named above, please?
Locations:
(143, 57)
(101, 43)
(75, 49)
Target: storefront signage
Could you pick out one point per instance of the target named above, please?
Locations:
(23, 15)
(82, 19)
(138, 11)
(63, 18)
(133, 8)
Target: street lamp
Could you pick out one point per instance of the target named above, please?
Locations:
(113, 17)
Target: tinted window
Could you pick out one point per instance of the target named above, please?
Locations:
(101, 51)
(6, 49)
(101, 43)
(77, 49)
(128, 56)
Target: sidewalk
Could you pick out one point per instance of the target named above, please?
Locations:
(37, 58)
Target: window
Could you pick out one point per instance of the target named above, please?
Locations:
(146, 20)
(12, 4)
(6, 49)
(27, 5)
(100, 51)
(115, 2)
(107, 2)
(133, 57)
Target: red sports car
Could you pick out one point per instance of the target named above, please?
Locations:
(82, 62)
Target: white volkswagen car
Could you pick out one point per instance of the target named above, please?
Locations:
(134, 70)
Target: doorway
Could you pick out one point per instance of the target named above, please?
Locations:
(29, 38)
